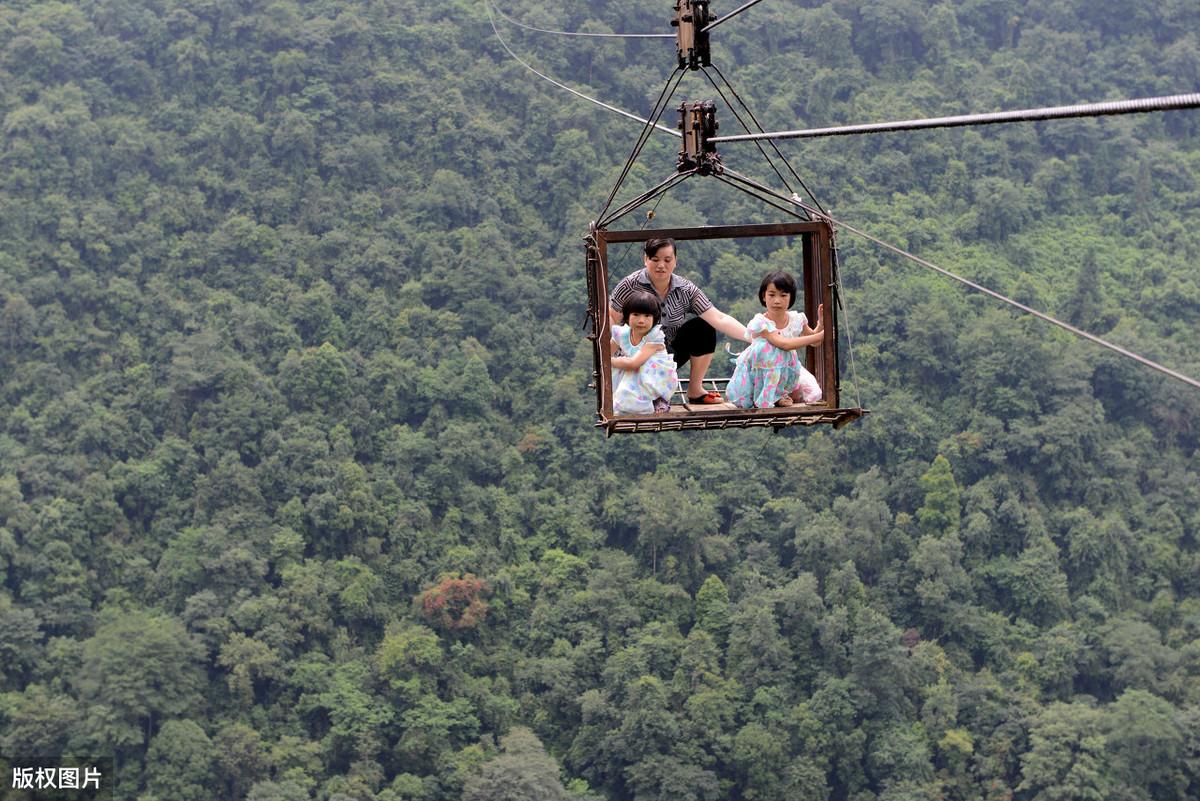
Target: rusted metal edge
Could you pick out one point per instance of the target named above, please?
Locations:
(726, 420)
(714, 231)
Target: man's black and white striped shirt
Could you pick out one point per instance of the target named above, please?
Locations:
(682, 297)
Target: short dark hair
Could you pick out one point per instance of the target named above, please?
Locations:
(781, 281)
(641, 303)
(653, 245)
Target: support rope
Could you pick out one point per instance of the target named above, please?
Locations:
(746, 127)
(660, 105)
(774, 147)
(740, 183)
(659, 190)
(617, 269)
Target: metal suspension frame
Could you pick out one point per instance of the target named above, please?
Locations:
(818, 285)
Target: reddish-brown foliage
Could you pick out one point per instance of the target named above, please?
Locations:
(455, 602)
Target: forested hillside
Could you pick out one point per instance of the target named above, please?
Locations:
(299, 493)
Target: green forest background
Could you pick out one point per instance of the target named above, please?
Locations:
(300, 496)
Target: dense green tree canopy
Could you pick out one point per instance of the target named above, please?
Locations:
(299, 494)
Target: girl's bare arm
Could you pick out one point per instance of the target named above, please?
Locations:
(794, 343)
(635, 362)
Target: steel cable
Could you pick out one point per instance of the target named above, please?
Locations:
(581, 33)
(660, 105)
(1136, 106)
(487, 5)
(1079, 332)
(729, 16)
(786, 163)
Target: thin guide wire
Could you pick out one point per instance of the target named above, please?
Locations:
(581, 33)
(1079, 332)
(845, 325)
(1017, 304)
(575, 92)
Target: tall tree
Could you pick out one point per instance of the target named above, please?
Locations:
(139, 668)
(179, 762)
(522, 771)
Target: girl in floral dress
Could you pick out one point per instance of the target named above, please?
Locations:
(771, 371)
(644, 374)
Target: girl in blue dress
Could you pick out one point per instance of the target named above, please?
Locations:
(644, 374)
(771, 371)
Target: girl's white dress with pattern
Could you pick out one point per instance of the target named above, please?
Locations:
(765, 374)
(634, 391)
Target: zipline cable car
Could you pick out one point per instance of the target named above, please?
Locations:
(817, 285)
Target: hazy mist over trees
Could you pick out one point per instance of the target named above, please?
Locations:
(299, 493)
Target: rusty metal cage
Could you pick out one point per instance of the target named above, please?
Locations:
(818, 283)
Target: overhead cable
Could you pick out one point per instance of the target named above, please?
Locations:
(658, 191)
(1040, 315)
(487, 5)
(758, 125)
(730, 15)
(1136, 106)
(660, 105)
(581, 33)
(746, 127)
(1079, 332)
